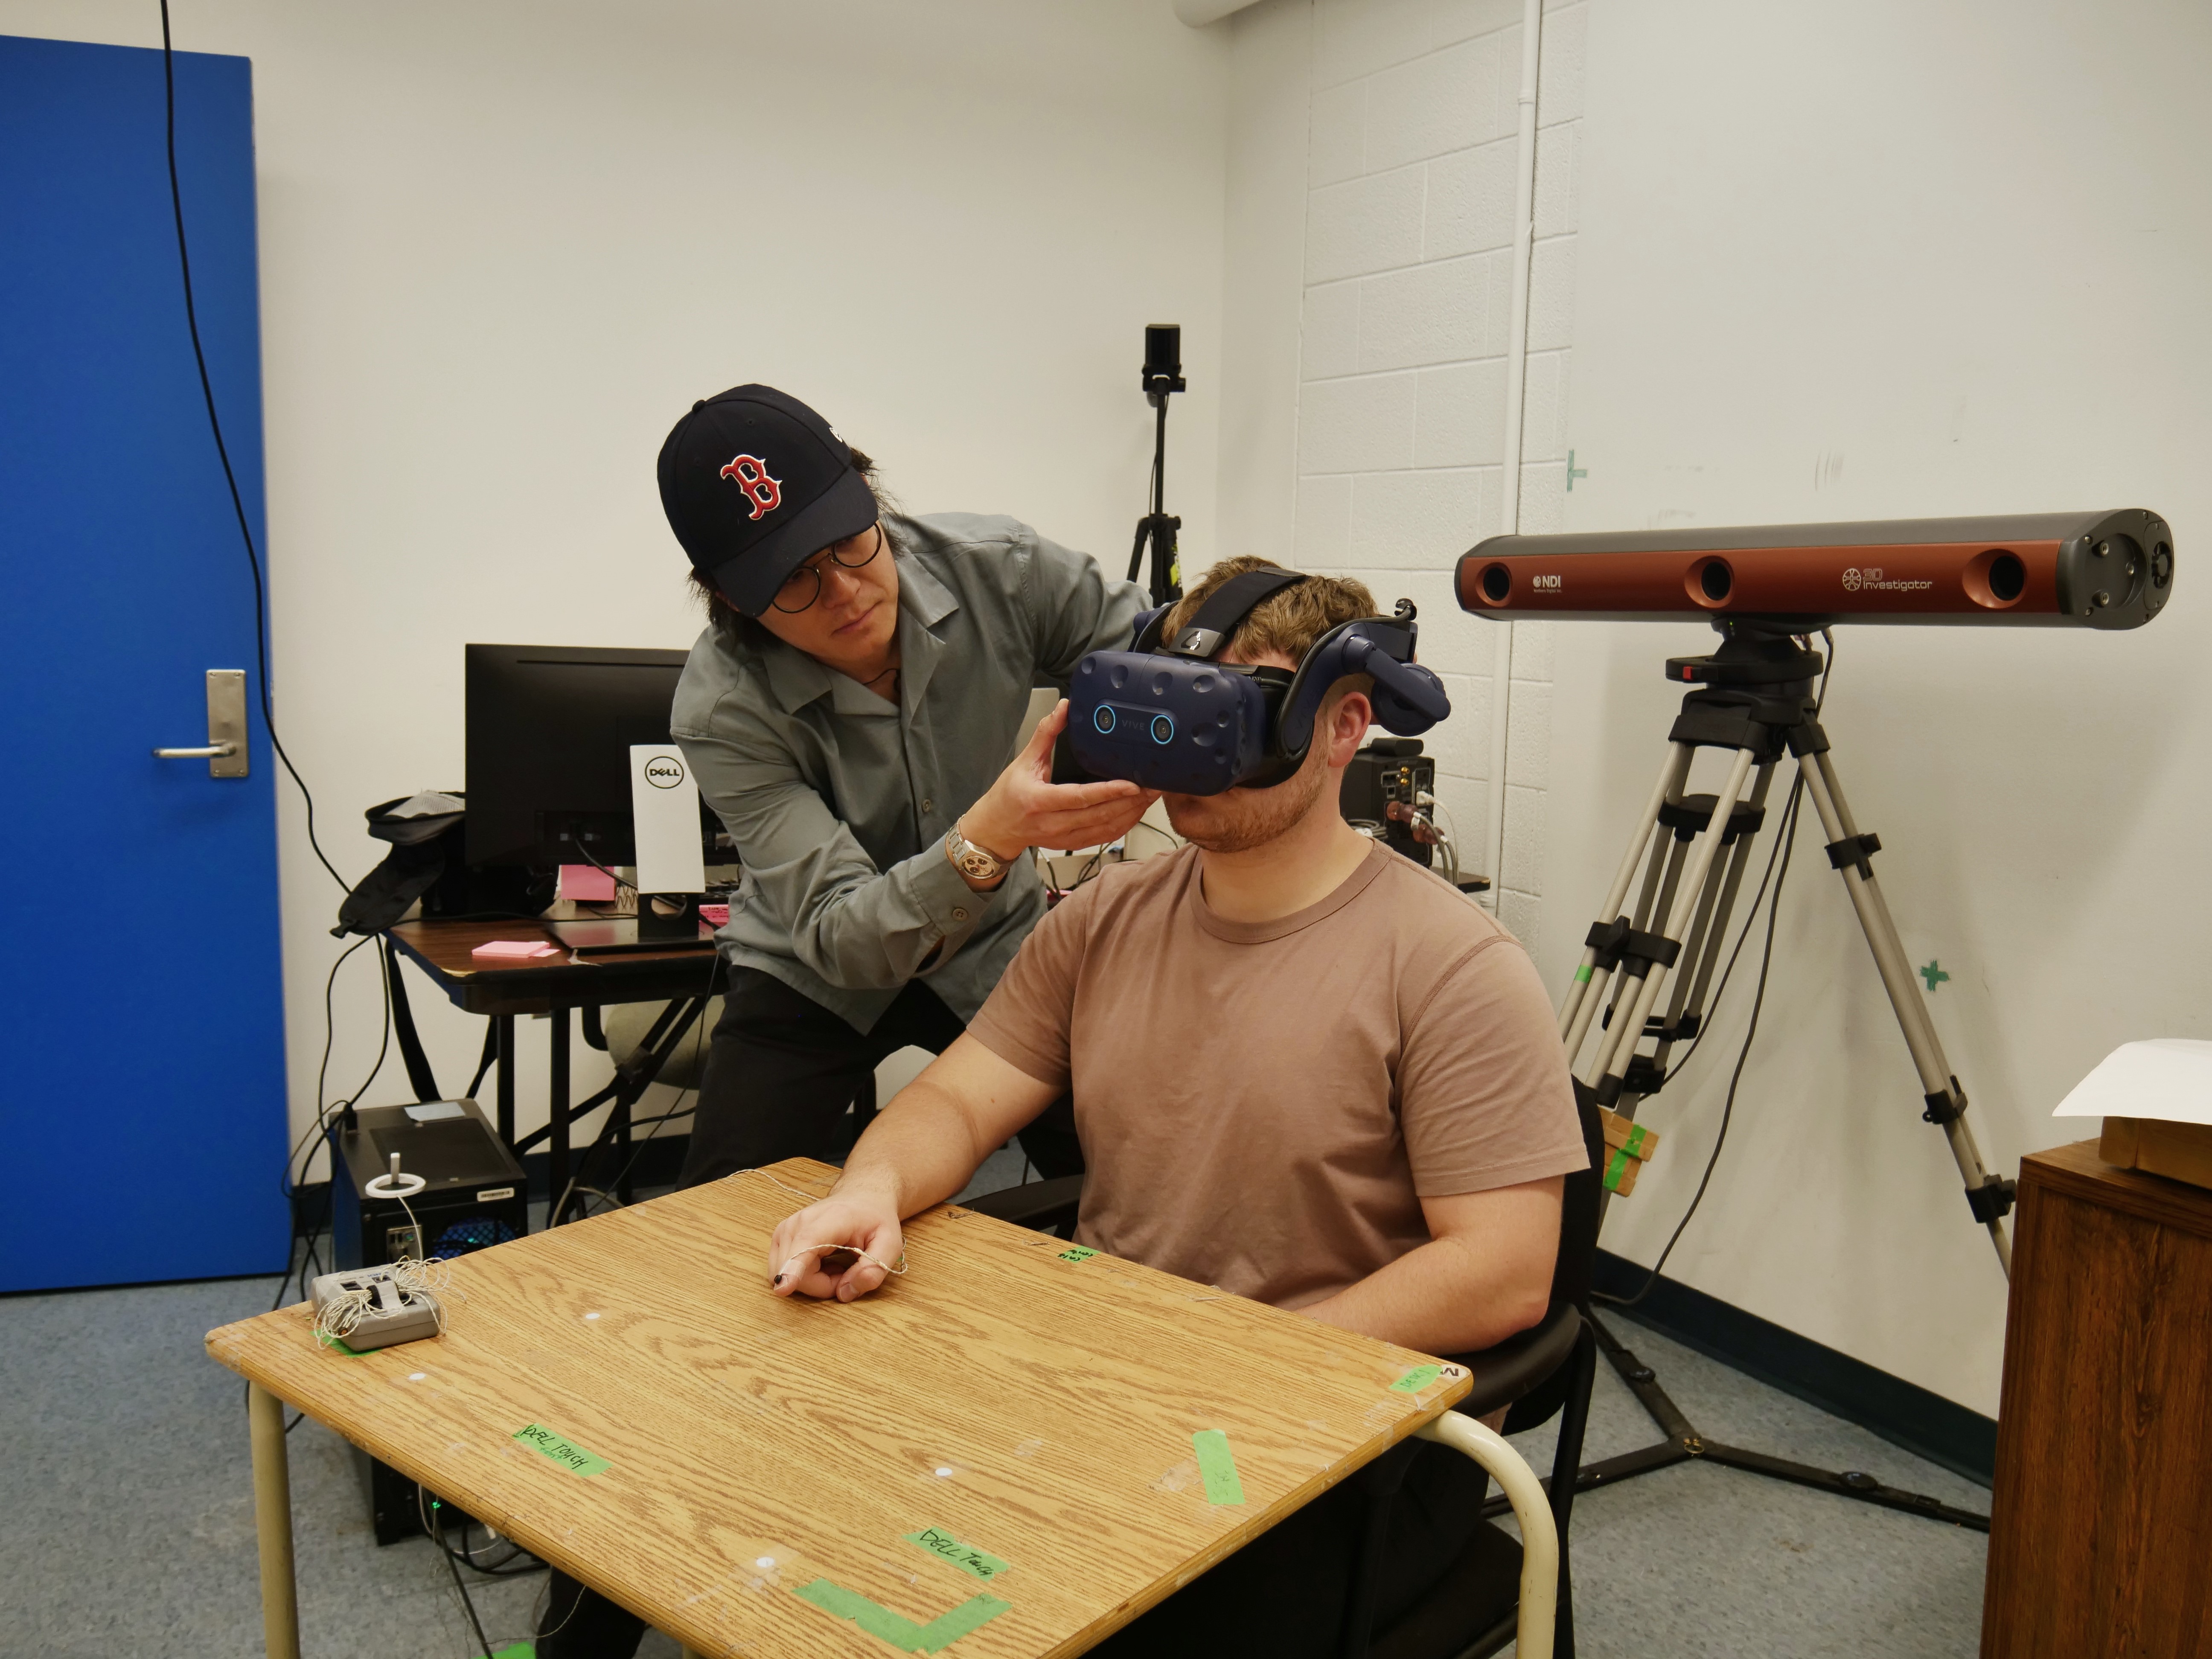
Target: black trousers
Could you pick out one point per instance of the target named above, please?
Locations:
(780, 1076)
(1282, 1596)
(783, 1069)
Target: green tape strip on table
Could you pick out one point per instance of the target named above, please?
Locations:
(565, 1452)
(1217, 1467)
(945, 1547)
(902, 1632)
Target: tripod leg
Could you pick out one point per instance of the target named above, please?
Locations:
(1677, 767)
(1706, 949)
(1990, 1196)
(1662, 881)
(1630, 1029)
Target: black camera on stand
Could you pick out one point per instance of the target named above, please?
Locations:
(1162, 377)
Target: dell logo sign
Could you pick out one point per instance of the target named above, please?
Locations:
(664, 771)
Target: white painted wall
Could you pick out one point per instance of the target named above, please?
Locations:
(1893, 260)
(504, 245)
(1375, 412)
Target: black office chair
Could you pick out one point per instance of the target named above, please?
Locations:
(1548, 1370)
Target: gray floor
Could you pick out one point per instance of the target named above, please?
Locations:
(128, 1527)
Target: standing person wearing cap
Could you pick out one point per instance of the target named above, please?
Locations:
(848, 712)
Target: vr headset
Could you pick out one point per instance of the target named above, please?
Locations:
(1171, 717)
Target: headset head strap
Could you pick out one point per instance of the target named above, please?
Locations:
(1226, 608)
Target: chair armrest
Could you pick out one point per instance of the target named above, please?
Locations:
(1040, 1205)
(1509, 1370)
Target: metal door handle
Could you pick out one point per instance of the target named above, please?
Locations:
(225, 749)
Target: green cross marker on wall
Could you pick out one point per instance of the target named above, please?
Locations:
(1574, 472)
(1933, 975)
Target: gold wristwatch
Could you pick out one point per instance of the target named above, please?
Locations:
(974, 862)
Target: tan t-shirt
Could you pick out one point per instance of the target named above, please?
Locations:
(1263, 1105)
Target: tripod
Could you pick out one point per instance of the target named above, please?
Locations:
(1755, 701)
(1162, 376)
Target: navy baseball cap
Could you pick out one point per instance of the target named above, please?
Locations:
(755, 484)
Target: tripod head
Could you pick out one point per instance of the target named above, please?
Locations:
(1163, 372)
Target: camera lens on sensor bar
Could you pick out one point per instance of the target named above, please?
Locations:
(2107, 569)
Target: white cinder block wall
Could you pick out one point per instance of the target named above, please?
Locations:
(1405, 285)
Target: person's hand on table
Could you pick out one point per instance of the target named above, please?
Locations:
(1025, 808)
(865, 1222)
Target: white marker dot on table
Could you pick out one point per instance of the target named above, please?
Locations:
(417, 1377)
(943, 1473)
(765, 1561)
(591, 1316)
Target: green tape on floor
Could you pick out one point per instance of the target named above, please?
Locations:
(902, 1632)
(1218, 1468)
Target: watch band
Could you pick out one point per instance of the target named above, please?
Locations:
(975, 863)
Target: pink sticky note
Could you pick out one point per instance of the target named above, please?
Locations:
(715, 916)
(587, 884)
(513, 950)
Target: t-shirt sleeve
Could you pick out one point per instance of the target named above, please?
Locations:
(1025, 1019)
(1484, 1098)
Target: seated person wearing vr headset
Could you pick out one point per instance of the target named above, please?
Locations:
(1305, 1069)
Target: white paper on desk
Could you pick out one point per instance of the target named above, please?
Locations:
(2168, 1077)
(664, 809)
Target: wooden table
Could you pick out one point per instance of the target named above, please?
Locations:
(773, 1477)
(443, 951)
(2102, 1520)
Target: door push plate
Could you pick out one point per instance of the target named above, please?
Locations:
(226, 742)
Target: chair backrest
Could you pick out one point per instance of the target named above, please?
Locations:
(1578, 1209)
(1571, 1273)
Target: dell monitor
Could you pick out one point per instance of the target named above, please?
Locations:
(550, 732)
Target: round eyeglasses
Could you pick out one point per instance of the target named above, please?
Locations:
(804, 586)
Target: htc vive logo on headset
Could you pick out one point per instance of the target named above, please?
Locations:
(664, 771)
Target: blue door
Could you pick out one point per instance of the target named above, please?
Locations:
(141, 1096)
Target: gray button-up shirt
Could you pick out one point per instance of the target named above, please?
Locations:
(839, 801)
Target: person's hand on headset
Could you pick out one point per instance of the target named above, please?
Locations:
(1025, 808)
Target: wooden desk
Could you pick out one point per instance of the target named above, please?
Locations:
(442, 949)
(762, 1465)
(2102, 1520)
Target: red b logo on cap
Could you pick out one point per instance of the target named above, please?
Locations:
(750, 474)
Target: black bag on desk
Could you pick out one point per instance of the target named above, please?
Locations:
(427, 861)
(420, 844)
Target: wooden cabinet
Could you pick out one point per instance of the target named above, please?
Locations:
(2100, 1540)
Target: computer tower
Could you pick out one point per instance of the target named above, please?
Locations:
(478, 1196)
(1389, 770)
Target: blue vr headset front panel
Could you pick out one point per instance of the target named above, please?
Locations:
(1180, 723)
(1178, 720)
